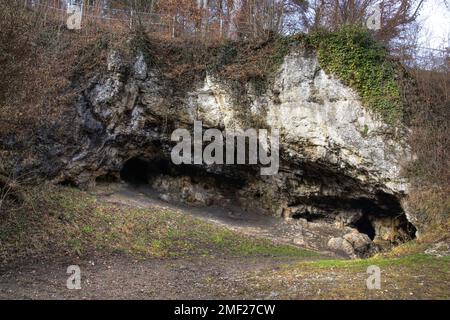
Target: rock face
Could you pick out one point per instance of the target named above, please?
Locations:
(339, 164)
(440, 249)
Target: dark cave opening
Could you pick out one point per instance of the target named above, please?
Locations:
(308, 216)
(141, 171)
(361, 213)
(135, 171)
(68, 183)
(383, 206)
(109, 177)
(365, 226)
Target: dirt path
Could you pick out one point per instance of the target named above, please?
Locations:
(120, 277)
(230, 217)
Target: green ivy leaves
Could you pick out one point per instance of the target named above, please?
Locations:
(362, 63)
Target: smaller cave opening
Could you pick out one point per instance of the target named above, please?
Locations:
(68, 183)
(137, 171)
(142, 171)
(381, 218)
(365, 226)
(308, 216)
(107, 178)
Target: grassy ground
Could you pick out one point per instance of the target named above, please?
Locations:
(411, 277)
(126, 252)
(72, 222)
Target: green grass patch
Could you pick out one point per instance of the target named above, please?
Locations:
(412, 260)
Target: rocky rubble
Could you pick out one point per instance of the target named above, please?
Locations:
(353, 244)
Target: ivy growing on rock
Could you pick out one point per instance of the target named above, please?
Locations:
(362, 63)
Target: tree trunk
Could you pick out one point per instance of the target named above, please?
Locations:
(203, 7)
(234, 16)
(105, 9)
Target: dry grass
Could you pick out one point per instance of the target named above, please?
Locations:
(40, 60)
(427, 96)
(432, 206)
(429, 104)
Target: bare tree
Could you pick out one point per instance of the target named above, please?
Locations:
(332, 14)
(202, 6)
(105, 8)
(234, 16)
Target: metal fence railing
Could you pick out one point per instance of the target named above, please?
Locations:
(170, 25)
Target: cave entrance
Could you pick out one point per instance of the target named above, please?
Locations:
(139, 171)
(367, 215)
(365, 226)
(135, 171)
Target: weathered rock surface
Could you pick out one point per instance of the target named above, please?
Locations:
(440, 249)
(340, 164)
(341, 245)
(361, 243)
